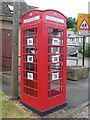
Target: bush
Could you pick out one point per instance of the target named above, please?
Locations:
(71, 29)
(87, 50)
(80, 49)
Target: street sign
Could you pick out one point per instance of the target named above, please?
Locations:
(83, 25)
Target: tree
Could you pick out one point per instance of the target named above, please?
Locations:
(71, 23)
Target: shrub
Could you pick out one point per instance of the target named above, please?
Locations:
(80, 49)
(87, 50)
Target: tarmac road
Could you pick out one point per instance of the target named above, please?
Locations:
(77, 92)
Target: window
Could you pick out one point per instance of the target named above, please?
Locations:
(55, 62)
(30, 61)
(11, 8)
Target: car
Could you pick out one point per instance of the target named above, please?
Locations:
(74, 53)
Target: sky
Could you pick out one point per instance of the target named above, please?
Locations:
(70, 8)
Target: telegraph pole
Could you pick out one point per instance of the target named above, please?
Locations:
(15, 51)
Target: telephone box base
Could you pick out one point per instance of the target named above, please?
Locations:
(46, 111)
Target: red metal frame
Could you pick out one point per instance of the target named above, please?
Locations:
(43, 93)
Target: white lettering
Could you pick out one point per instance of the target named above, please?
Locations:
(84, 32)
(31, 19)
(54, 19)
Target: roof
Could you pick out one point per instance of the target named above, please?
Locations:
(7, 12)
(45, 11)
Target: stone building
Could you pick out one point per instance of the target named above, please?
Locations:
(6, 27)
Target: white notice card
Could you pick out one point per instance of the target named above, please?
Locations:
(29, 58)
(55, 41)
(55, 76)
(30, 76)
(55, 58)
(30, 41)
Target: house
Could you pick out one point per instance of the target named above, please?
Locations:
(74, 41)
(6, 27)
(72, 38)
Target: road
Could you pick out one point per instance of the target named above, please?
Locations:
(77, 92)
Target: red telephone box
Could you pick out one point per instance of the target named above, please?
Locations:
(43, 60)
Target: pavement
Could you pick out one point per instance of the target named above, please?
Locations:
(77, 92)
(82, 113)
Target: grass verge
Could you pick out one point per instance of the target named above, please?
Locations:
(12, 109)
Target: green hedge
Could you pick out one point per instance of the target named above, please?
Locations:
(87, 50)
(80, 49)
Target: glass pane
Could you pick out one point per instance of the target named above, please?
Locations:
(24, 57)
(61, 66)
(24, 49)
(24, 74)
(61, 90)
(31, 49)
(55, 50)
(30, 67)
(61, 82)
(55, 92)
(55, 84)
(30, 83)
(24, 66)
(24, 82)
(30, 32)
(36, 39)
(23, 33)
(62, 38)
(30, 91)
(24, 89)
(55, 67)
(62, 49)
(48, 31)
(48, 40)
(55, 32)
(36, 30)
(24, 41)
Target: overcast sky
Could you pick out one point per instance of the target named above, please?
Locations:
(69, 8)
